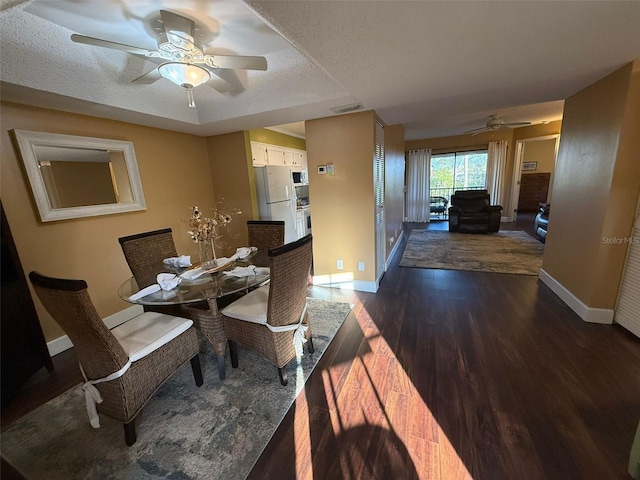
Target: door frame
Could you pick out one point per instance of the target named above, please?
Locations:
(517, 171)
(379, 183)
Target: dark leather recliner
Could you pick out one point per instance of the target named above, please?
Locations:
(541, 223)
(470, 212)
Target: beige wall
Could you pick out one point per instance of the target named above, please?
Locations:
(233, 181)
(342, 205)
(394, 184)
(543, 152)
(175, 176)
(265, 135)
(596, 187)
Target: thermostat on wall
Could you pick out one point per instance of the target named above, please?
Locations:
(322, 169)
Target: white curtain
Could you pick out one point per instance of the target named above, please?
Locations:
(496, 169)
(418, 170)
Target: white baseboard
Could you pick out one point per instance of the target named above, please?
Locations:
(586, 313)
(346, 281)
(393, 250)
(63, 343)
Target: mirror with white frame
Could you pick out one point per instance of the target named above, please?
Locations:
(73, 177)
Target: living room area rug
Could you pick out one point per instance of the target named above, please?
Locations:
(216, 431)
(508, 251)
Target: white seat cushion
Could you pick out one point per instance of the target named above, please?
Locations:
(252, 307)
(149, 331)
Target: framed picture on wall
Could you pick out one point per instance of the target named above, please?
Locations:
(529, 166)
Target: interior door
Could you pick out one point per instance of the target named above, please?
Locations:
(378, 179)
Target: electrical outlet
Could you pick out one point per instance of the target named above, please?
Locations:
(391, 240)
(361, 266)
(339, 264)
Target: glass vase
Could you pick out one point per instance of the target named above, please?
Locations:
(207, 252)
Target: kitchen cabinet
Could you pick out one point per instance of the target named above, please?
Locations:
(266, 154)
(259, 154)
(275, 155)
(288, 158)
(298, 158)
(300, 223)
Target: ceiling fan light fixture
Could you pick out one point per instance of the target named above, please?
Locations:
(184, 74)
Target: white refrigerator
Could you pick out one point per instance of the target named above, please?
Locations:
(277, 197)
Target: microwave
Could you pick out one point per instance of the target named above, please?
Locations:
(299, 177)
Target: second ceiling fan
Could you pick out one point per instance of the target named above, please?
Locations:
(185, 63)
(496, 122)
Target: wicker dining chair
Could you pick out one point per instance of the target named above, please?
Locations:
(126, 365)
(265, 234)
(144, 252)
(268, 318)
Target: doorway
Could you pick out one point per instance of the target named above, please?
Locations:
(534, 166)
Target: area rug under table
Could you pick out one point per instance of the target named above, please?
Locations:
(503, 252)
(216, 431)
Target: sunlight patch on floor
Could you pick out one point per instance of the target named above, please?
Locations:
(376, 411)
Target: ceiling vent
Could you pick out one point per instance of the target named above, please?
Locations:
(346, 108)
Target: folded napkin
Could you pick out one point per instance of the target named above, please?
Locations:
(246, 271)
(244, 252)
(179, 262)
(192, 274)
(168, 281)
(145, 291)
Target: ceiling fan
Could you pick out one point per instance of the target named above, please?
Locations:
(183, 59)
(495, 122)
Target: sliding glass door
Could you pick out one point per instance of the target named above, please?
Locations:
(455, 171)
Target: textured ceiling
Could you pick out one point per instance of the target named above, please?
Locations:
(439, 68)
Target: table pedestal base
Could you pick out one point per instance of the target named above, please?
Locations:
(209, 322)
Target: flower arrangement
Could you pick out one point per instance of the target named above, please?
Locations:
(206, 228)
(205, 231)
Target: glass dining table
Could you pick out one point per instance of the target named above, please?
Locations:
(198, 298)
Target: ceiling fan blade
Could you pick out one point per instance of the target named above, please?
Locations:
(223, 81)
(179, 30)
(236, 62)
(517, 124)
(480, 130)
(114, 45)
(219, 85)
(477, 130)
(149, 77)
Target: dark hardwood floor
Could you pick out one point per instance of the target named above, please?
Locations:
(446, 375)
(451, 374)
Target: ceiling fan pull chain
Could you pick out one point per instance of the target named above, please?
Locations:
(192, 102)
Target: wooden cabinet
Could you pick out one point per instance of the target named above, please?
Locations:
(534, 188)
(23, 350)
